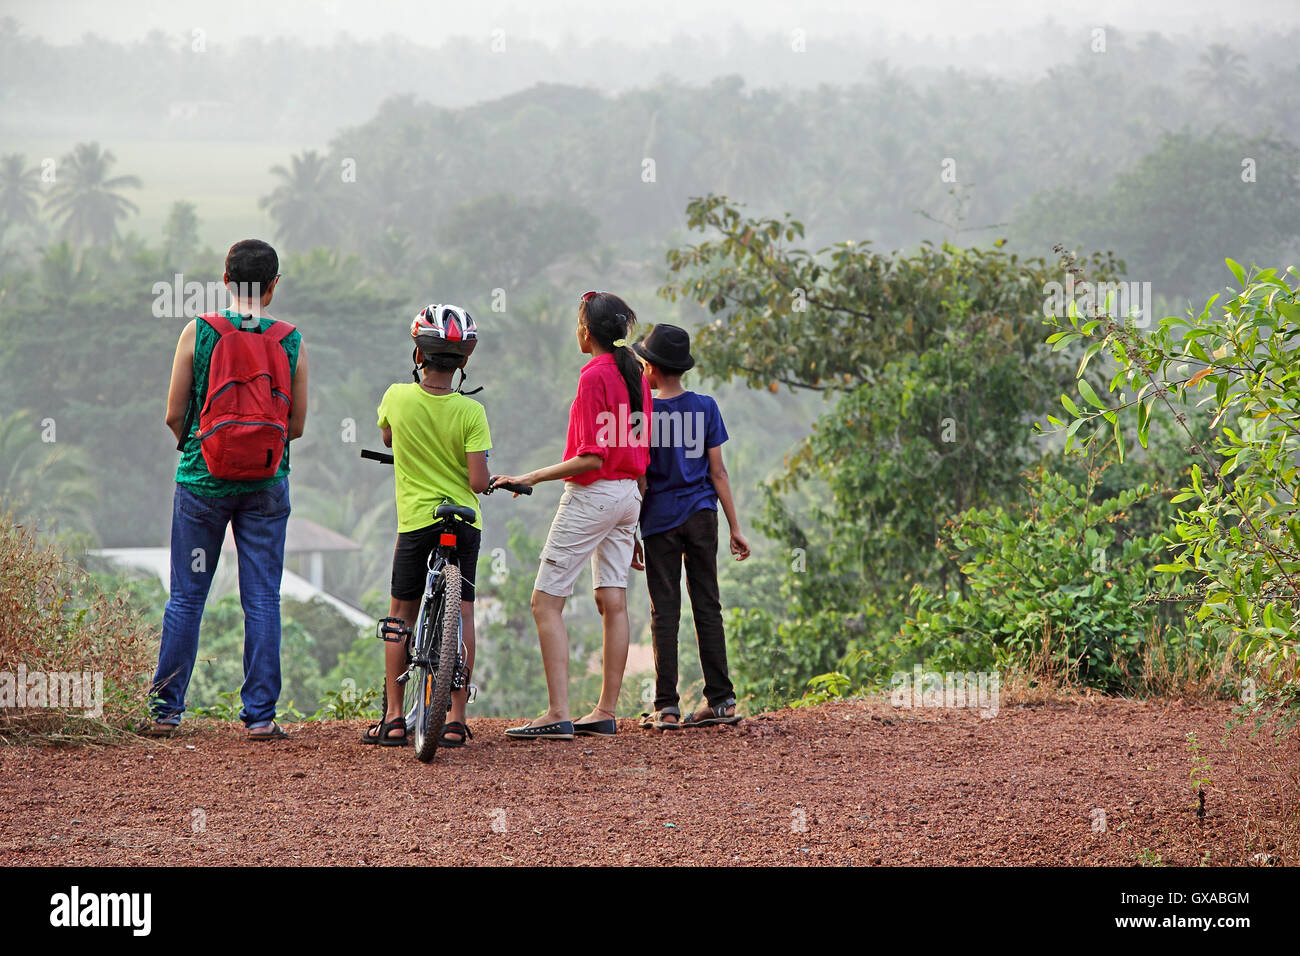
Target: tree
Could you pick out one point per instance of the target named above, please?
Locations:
(85, 197)
(305, 206)
(181, 233)
(503, 242)
(1244, 192)
(1237, 535)
(20, 184)
(41, 480)
(932, 361)
(1222, 74)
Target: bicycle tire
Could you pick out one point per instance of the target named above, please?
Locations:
(418, 645)
(435, 683)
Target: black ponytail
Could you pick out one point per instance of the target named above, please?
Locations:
(609, 320)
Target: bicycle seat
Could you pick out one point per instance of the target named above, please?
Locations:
(455, 511)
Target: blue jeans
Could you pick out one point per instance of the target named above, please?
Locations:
(199, 524)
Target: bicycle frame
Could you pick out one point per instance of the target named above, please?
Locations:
(439, 557)
(430, 603)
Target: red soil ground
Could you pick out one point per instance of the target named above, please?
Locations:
(856, 782)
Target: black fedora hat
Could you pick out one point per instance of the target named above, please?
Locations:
(668, 347)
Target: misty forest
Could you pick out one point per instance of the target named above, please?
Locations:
(1004, 353)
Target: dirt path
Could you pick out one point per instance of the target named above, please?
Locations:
(856, 782)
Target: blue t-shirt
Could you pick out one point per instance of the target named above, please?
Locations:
(683, 429)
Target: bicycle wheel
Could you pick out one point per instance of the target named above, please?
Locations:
(420, 645)
(434, 687)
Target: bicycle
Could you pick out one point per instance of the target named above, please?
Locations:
(436, 636)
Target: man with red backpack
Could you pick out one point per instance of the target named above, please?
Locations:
(238, 396)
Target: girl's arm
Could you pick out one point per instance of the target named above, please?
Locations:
(722, 485)
(565, 469)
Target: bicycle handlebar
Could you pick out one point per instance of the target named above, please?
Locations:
(387, 459)
(509, 486)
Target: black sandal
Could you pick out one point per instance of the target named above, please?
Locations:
(717, 715)
(274, 732)
(455, 727)
(385, 728)
(656, 720)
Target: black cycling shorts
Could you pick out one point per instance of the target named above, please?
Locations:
(411, 560)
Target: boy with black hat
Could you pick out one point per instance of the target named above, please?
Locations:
(685, 482)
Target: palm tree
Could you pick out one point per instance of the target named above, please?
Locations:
(19, 186)
(305, 213)
(42, 482)
(62, 272)
(1222, 73)
(85, 197)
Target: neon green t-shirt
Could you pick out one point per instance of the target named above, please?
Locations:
(431, 436)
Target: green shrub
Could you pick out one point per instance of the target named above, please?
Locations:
(1053, 588)
(1236, 538)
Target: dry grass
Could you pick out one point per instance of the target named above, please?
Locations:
(1167, 674)
(54, 619)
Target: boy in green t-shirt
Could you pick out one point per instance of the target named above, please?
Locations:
(440, 441)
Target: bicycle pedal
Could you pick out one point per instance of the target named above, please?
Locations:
(394, 626)
(472, 694)
(403, 678)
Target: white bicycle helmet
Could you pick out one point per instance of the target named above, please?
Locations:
(444, 330)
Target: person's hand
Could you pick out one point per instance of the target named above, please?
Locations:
(739, 546)
(498, 480)
(638, 556)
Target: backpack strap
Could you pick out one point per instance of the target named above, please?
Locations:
(220, 327)
(279, 331)
(192, 404)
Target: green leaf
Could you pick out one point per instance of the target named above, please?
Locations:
(1238, 272)
(1090, 395)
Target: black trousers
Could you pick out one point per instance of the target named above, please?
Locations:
(695, 544)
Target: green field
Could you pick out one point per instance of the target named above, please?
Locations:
(224, 179)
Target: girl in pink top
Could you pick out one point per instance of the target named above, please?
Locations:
(605, 458)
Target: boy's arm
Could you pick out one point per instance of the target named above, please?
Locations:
(722, 485)
(298, 405)
(479, 479)
(387, 432)
(178, 392)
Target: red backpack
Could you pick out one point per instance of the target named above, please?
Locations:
(244, 425)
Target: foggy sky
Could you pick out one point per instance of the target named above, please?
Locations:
(631, 23)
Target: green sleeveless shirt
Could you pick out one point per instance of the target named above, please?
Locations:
(192, 470)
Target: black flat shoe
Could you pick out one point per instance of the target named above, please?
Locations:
(560, 730)
(596, 728)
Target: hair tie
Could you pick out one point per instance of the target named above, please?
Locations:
(620, 343)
